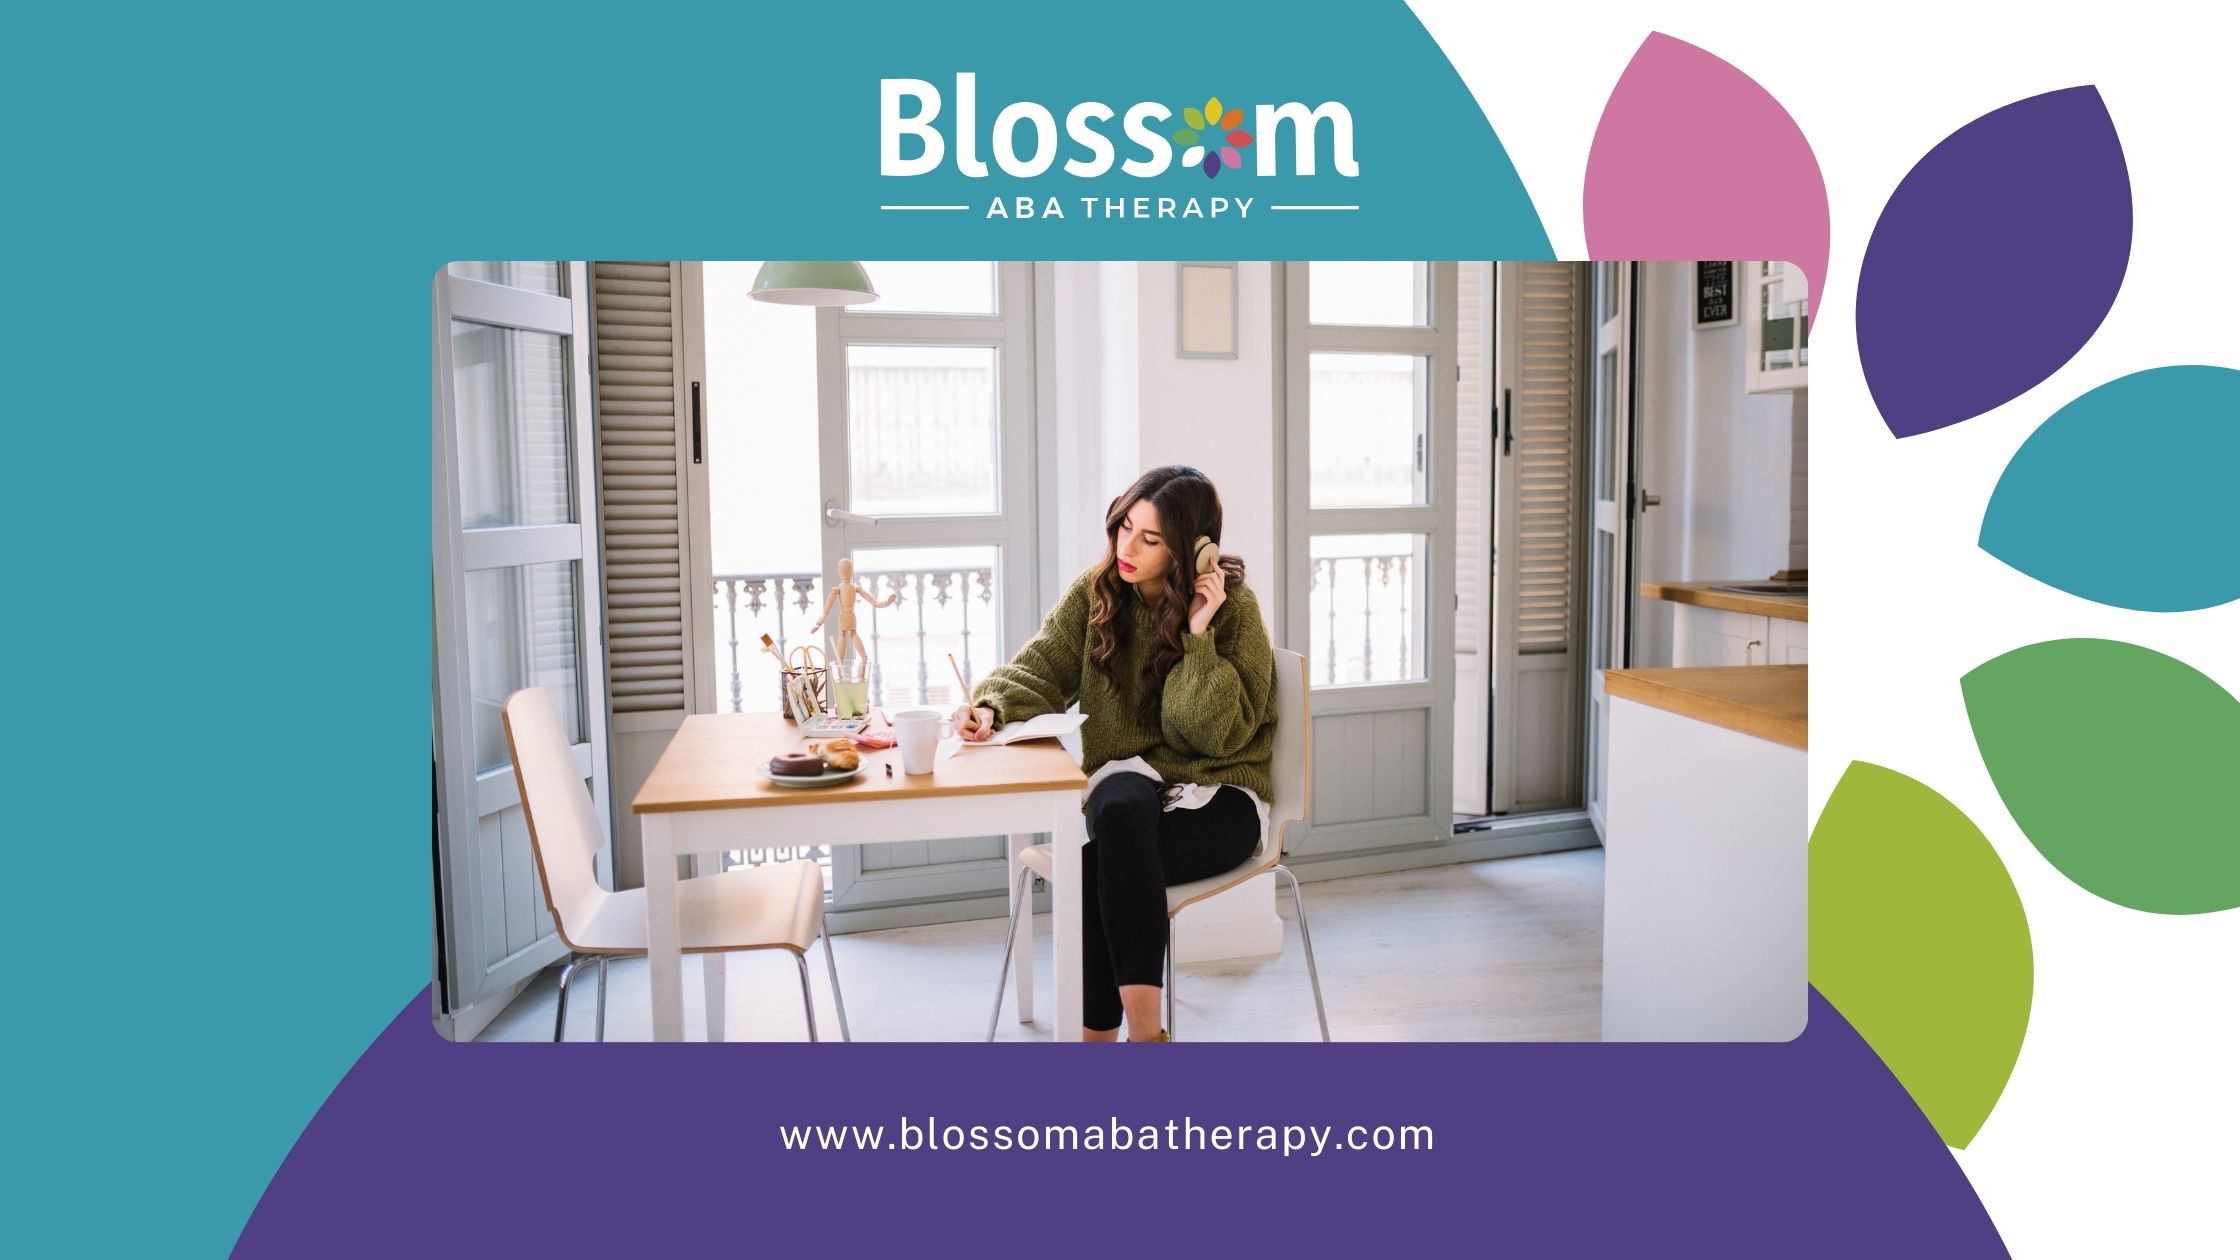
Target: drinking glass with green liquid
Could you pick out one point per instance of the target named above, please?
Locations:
(851, 688)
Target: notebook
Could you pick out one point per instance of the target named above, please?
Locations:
(1048, 726)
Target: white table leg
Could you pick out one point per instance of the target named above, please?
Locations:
(1068, 831)
(711, 976)
(664, 967)
(1022, 944)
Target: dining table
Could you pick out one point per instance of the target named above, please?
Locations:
(708, 795)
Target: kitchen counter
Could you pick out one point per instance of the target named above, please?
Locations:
(1786, 607)
(1704, 854)
(1766, 701)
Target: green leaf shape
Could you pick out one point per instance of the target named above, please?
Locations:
(1183, 135)
(2118, 763)
(1918, 937)
(1193, 117)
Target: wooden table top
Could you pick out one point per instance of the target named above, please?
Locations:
(710, 764)
(1786, 607)
(1767, 701)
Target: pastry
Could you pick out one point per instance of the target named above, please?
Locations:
(840, 754)
(797, 765)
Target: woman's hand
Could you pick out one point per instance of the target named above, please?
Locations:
(1209, 593)
(974, 724)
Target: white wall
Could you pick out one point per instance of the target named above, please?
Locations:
(1127, 403)
(1721, 458)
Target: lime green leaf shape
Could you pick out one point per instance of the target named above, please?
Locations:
(1917, 936)
(2118, 763)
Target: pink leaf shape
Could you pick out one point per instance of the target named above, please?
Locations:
(1692, 159)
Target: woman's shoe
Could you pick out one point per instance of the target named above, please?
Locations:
(1161, 1037)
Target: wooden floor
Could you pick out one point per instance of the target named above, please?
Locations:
(1509, 950)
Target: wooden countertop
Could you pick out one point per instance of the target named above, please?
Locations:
(710, 762)
(1765, 701)
(1786, 607)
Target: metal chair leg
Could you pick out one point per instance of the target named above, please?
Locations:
(560, 1019)
(1170, 978)
(808, 1006)
(1314, 977)
(600, 1026)
(832, 969)
(1010, 934)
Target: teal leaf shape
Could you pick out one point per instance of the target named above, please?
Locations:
(2118, 763)
(1918, 938)
(2104, 501)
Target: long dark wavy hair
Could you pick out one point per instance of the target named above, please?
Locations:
(1188, 507)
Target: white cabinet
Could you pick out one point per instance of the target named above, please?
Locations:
(1776, 309)
(1704, 862)
(1718, 636)
(1785, 641)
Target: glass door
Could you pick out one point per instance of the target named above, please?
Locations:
(516, 570)
(1610, 457)
(1369, 371)
(926, 479)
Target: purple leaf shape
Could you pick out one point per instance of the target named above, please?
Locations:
(1212, 165)
(1662, 176)
(2029, 207)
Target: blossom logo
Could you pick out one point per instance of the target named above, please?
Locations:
(923, 131)
(1202, 153)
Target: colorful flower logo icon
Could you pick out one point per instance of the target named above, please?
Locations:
(1211, 153)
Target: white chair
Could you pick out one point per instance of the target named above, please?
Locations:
(1292, 769)
(780, 906)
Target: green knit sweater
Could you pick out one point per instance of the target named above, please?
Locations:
(1217, 719)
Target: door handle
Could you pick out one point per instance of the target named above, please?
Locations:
(1649, 500)
(1508, 423)
(835, 515)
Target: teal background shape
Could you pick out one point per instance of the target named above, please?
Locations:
(2115, 498)
(228, 219)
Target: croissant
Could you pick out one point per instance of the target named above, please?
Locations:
(840, 754)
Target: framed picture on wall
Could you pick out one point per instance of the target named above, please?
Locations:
(1205, 310)
(1715, 295)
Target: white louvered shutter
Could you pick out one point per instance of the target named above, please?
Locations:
(637, 369)
(1550, 399)
(1539, 524)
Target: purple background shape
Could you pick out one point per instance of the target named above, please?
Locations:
(1804, 1148)
(2030, 205)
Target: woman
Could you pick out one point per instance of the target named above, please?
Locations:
(1176, 681)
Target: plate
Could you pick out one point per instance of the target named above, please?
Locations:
(808, 780)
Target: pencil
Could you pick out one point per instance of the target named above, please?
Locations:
(964, 688)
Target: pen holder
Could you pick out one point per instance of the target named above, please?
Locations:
(801, 693)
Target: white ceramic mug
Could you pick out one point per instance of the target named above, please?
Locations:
(919, 732)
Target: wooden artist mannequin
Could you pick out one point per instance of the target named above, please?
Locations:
(844, 596)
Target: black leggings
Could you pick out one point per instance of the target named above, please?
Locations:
(1135, 852)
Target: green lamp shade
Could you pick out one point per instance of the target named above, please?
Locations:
(812, 284)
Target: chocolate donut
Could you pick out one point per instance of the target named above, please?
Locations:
(797, 765)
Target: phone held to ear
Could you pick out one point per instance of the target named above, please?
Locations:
(1207, 555)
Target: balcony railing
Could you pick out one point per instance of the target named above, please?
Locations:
(936, 611)
(1371, 592)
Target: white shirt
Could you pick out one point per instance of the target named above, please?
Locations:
(1192, 795)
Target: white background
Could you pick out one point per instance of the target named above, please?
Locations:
(2116, 1134)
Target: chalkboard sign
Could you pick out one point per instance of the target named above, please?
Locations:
(1715, 295)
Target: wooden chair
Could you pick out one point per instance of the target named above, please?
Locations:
(1291, 768)
(780, 906)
